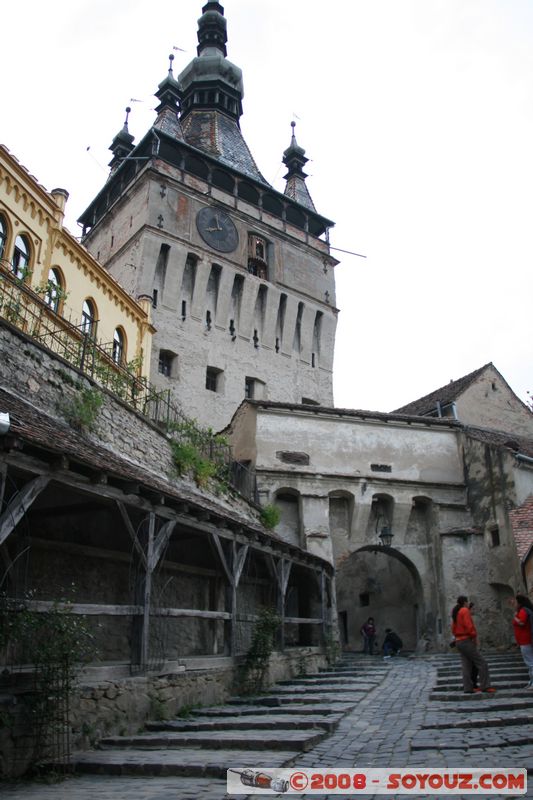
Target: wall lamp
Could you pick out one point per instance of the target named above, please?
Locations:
(385, 535)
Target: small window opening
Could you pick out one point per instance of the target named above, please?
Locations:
(313, 360)
(166, 363)
(277, 344)
(495, 537)
(249, 384)
(154, 299)
(212, 379)
(232, 330)
(256, 339)
(364, 599)
(184, 309)
(208, 320)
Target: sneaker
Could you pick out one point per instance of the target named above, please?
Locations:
(490, 690)
(529, 687)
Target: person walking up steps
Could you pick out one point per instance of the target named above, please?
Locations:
(465, 634)
(522, 626)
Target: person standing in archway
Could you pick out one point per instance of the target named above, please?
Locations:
(368, 632)
(465, 634)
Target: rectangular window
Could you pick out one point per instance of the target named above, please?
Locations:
(364, 599)
(212, 379)
(166, 361)
(495, 537)
(249, 384)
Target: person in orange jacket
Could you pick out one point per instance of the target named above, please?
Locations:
(523, 634)
(465, 635)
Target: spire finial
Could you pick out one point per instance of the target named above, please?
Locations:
(128, 112)
(170, 60)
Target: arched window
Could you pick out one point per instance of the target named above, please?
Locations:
(21, 257)
(3, 236)
(119, 346)
(53, 291)
(88, 317)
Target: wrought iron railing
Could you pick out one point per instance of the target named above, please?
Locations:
(77, 344)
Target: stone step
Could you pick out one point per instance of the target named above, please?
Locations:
(498, 705)
(496, 682)
(183, 761)
(480, 738)
(326, 686)
(499, 669)
(263, 721)
(330, 706)
(443, 721)
(334, 683)
(251, 739)
(460, 696)
(311, 689)
(280, 699)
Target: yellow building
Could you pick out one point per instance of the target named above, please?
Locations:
(53, 289)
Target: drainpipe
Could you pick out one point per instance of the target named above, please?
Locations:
(525, 459)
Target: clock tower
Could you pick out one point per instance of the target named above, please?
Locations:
(240, 275)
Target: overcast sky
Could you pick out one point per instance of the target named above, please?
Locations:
(417, 116)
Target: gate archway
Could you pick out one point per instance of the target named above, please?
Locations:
(382, 583)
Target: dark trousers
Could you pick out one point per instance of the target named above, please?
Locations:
(470, 657)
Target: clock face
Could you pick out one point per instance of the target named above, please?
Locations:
(217, 229)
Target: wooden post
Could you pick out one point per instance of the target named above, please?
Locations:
(145, 637)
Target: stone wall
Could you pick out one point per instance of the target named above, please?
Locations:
(110, 703)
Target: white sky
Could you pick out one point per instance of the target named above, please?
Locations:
(417, 116)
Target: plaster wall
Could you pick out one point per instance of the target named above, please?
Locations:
(349, 446)
(490, 403)
(283, 354)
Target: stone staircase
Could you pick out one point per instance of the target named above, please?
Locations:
(494, 726)
(270, 729)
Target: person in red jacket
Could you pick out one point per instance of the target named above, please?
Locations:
(465, 635)
(522, 634)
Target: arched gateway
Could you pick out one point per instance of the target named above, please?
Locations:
(382, 583)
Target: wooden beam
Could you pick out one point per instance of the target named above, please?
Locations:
(218, 546)
(82, 484)
(20, 504)
(161, 542)
(106, 610)
(132, 532)
(240, 560)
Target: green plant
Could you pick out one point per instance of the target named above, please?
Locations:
(186, 711)
(55, 643)
(255, 667)
(81, 412)
(270, 516)
(187, 459)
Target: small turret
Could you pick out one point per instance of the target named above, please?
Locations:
(295, 160)
(122, 145)
(169, 96)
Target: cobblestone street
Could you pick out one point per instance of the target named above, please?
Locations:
(414, 715)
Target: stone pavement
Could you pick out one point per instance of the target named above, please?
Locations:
(415, 715)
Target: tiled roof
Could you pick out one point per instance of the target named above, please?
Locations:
(446, 394)
(220, 136)
(55, 436)
(518, 444)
